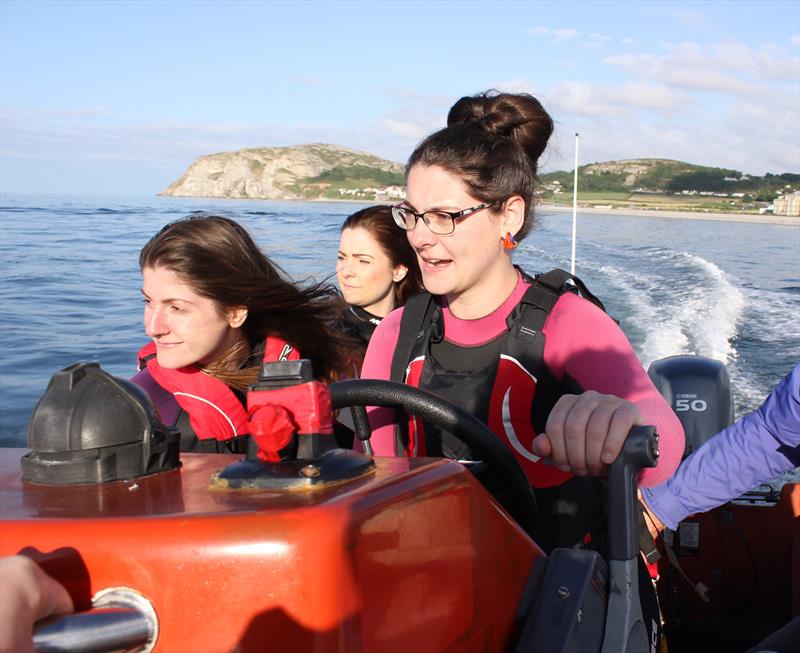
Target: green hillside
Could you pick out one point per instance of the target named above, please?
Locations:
(354, 181)
(663, 183)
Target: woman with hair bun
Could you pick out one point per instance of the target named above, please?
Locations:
(376, 268)
(215, 307)
(536, 358)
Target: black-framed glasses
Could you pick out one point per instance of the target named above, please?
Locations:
(441, 223)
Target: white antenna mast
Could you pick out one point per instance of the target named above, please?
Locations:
(575, 205)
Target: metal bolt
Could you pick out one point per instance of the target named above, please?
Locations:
(310, 471)
(580, 616)
(562, 592)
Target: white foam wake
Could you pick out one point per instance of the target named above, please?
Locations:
(678, 303)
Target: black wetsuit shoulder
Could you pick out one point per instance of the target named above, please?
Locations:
(359, 324)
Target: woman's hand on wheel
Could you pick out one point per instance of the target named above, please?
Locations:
(586, 432)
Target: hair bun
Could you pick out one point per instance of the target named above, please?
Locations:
(519, 117)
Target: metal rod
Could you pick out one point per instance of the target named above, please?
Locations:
(98, 630)
(363, 429)
(575, 206)
(120, 619)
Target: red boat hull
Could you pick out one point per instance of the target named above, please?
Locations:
(748, 555)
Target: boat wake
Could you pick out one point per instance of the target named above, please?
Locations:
(671, 302)
(688, 303)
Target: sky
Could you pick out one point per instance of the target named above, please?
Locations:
(116, 97)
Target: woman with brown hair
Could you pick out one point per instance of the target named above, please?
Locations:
(536, 358)
(215, 307)
(376, 268)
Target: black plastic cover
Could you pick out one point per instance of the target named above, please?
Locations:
(91, 427)
(279, 374)
(699, 391)
(569, 611)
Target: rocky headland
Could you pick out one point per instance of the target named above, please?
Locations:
(300, 172)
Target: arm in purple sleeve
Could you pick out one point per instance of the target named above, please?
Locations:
(755, 449)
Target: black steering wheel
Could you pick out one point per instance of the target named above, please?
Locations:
(519, 500)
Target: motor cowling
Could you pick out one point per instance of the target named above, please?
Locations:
(91, 427)
(699, 391)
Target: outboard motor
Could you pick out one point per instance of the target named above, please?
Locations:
(699, 391)
(91, 427)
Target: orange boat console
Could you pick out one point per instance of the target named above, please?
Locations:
(301, 546)
(414, 551)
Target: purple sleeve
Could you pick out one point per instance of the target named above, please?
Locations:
(168, 408)
(755, 449)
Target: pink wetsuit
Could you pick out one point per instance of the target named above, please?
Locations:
(580, 341)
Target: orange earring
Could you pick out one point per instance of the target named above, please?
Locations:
(509, 242)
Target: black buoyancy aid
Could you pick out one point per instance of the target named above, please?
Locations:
(216, 413)
(510, 388)
(359, 324)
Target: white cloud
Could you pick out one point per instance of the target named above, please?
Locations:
(405, 128)
(309, 80)
(581, 98)
(520, 85)
(417, 97)
(673, 13)
(564, 34)
(765, 61)
(556, 35)
(708, 80)
(690, 17)
(722, 68)
(751, 137)
(725, 104)
(77, 113)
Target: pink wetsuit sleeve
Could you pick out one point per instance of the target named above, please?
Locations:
(378, 365)
(586, 344)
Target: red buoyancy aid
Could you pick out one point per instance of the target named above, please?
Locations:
(215, 411)
(510, 388)
(513, 394)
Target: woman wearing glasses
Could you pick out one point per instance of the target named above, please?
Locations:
(542, 364)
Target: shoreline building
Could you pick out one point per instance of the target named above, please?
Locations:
(788, 204)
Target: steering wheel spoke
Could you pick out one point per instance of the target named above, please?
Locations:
(517, 493)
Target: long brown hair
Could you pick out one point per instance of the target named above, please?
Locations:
(219, 259)
(493, 142)
(378, 221)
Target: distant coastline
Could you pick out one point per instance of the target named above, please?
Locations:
(646, 187)
(755, 218)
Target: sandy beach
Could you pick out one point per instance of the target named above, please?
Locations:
(790, 220)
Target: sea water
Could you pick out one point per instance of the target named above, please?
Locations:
(70, 283)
